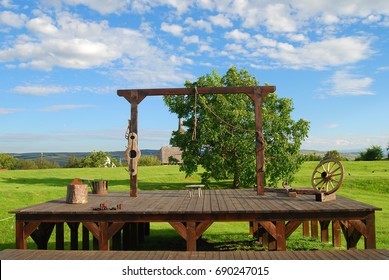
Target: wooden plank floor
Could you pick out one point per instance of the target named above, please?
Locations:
(369, 254)
(191, 216)
(241, 201)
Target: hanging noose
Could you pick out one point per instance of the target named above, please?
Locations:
(194, 135)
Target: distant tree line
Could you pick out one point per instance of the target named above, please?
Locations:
(330, 154)
(98, 159)
(93, 159)
(372, 153)
(9, 162)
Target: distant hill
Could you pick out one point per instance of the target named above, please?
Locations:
(62, 157)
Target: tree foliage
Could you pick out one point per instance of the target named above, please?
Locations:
(96, 159)
(42, 163)
(372, 153)
(149, 160)
(73, 162)
(7, 161)
(332, 154)
(220, 132)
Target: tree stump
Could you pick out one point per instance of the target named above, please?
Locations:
(77, 193)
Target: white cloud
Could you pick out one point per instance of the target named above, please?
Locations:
(176, 60)
(39, 90)
(237, 35)
(325, 53)
(194, 39)
(297, 37)
(329, 19)
(235, 48)
(204, 47)
(8, 4)
(279, 18)
(221, 20)
(174, 29)
(103, 7)
(383, 68)
(259, 40)
(83, 44)
(56, 108)
(344, 142)
(11, 19)
(344, 83)
(6, 111)
(199, 24)
(42, 25)
(207, 4)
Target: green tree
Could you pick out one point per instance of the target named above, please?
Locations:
(26, 164)
(372, 153)
(7, 161)
(312, 157)
(73, 162)
(149, 160)
(220, 132)
(95, 159)
(332, 154)
(43, 163)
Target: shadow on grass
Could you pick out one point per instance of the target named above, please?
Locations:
(113, 184)
(170, 240)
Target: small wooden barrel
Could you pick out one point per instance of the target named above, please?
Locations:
(100, 187)
(77, 193)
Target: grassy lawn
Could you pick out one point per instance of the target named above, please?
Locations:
(367, 182)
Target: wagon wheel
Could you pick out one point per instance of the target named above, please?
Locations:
(328, 176)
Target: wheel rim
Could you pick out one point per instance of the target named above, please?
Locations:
(328, 176)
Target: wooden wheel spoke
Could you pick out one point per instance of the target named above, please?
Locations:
(333, 171)
(318, 183)
(339, 174)
(327, 183)
(329, 167)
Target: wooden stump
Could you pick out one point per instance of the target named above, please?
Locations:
(100, 187)
(77, 193)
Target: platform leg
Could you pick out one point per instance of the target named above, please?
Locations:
(191, 240)
(336, 234)
(370, 239)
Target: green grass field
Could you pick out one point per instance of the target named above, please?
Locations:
(367, 182)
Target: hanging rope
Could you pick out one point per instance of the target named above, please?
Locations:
(259, 138)
(128, 131)
(194, 136)
(223, 120)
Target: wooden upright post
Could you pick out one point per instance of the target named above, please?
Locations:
(370, 238)
(134, 98)
(259, 143)
(134, 128)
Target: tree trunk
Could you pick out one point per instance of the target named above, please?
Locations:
(236, 181)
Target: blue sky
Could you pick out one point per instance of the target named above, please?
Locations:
(61, 62)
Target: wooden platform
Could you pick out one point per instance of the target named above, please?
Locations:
(273, 216)
(369, 254)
